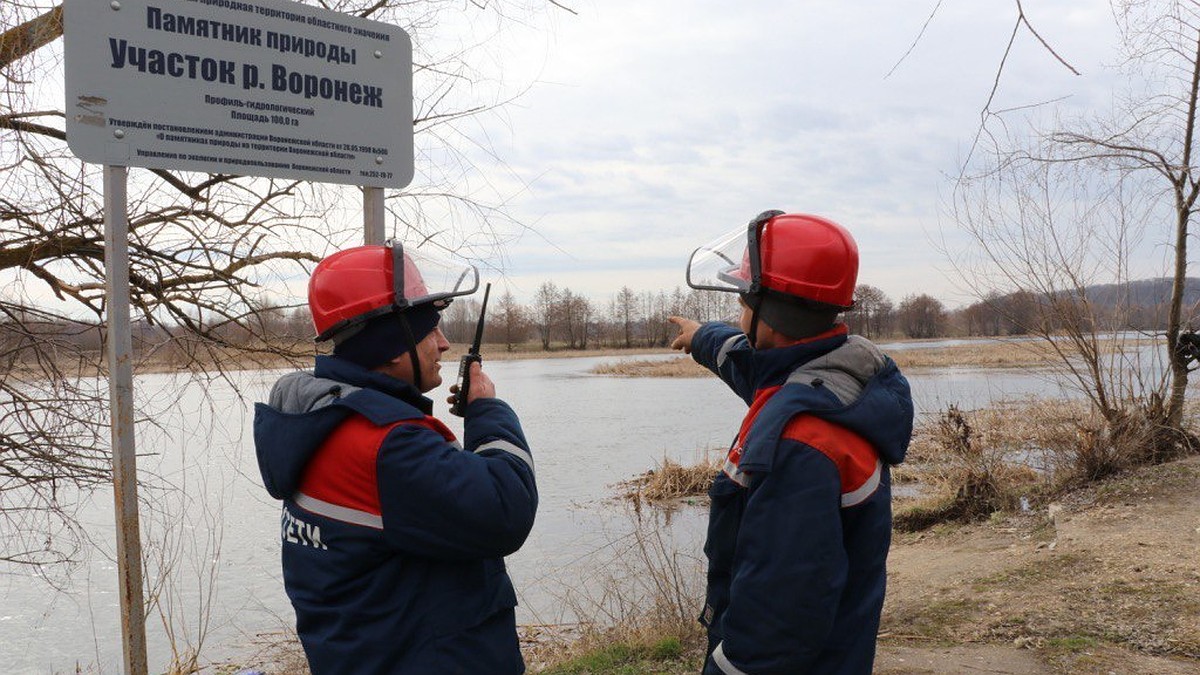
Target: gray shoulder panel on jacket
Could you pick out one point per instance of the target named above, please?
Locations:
(843, 371)
(301, 392)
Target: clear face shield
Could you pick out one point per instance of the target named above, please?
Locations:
(722, 265)
(731, 262)
(419, 278)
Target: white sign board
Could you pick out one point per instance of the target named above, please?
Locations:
(248, 87)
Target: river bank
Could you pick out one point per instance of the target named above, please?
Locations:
(1105, 580)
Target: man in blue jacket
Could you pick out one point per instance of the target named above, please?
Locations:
(800, 519)
(393, 534)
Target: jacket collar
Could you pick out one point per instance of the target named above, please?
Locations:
(336, 368)
(773, 366)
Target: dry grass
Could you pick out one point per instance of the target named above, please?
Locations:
(966, 470)
(1031, 426)
(978, 354)
(982, 353)
(637, 614)
(275, 652)
(682, 366)
(973, 463)
(671, 481)
(998, 353)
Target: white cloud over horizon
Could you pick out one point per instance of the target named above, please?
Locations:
(654, 127)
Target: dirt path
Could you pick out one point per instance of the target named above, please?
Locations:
(1106, 581)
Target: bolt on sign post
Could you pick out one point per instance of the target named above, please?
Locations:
(267, 88)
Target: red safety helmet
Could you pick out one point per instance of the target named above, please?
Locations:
(353, 286)
(802, 256)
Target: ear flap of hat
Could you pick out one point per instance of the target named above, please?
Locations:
(385, 337)
(796, 320)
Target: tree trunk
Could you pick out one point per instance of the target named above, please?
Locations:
(1185, 199)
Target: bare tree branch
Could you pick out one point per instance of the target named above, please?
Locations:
(20, 41)
(212, 258)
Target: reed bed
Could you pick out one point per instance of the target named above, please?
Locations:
(671, 481)
(682, 366)
(972, 463)
(980, 353)
(977, 354)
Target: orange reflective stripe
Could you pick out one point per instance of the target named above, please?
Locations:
(857, 462)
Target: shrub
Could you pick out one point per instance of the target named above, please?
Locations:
(965, 458)
(671, 480)
(639, 614)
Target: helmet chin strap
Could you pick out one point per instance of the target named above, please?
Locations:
(756, 293)
(755, 302)
(412, 353)
(397, 249)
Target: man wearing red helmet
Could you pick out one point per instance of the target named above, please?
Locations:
(800, 518)
(393, 534)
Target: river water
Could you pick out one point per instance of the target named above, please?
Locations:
(219, 530)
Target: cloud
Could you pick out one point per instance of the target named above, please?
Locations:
(657, 126)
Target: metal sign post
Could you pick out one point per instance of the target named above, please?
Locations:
(120, 388)
(374, 229)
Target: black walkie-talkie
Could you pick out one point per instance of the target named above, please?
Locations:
(472, 356)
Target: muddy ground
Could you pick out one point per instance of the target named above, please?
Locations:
(1107, 580)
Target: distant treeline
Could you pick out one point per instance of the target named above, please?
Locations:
(559, 318)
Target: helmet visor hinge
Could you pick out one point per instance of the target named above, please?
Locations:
(397, 249)
(753, 238)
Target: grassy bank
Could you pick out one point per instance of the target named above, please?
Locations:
(653, 655)
(1103, 580)
(977, 353)
(980, 353)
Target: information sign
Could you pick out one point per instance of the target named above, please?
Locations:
(249, 87)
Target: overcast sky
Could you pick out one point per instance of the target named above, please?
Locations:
(648, 128)
(654, 127)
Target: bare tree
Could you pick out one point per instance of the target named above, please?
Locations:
(567, 319)
(710, 306)
(573, 312)
(656, 307)
(460, 319)
(203, 250)
(512, 322)
(626, 315)
(872, 314)
(545, 311)
(922, 316)
(1070, 209)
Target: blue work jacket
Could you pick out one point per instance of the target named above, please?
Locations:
(800, 518)
(393, 535)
